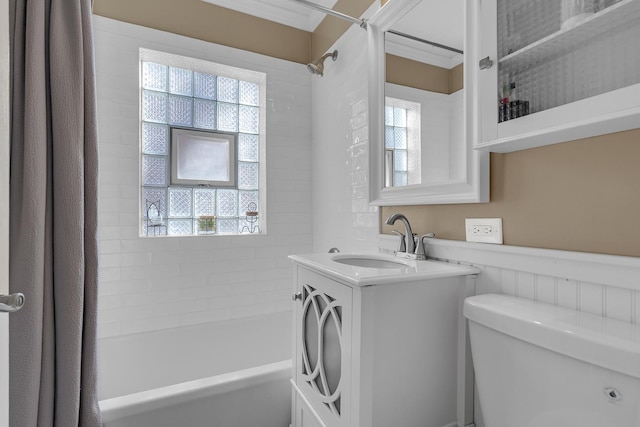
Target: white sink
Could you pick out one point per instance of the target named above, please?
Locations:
(368, 261)
(369, 269)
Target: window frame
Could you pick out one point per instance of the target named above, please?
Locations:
(232, 159)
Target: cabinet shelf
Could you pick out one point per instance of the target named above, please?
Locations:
(568, 122)
(564, 40)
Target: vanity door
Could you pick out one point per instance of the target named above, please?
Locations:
(323, 319)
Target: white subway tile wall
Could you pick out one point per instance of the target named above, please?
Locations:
(149, 284)
(342, 216)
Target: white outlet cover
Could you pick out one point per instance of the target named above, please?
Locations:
(484, 230)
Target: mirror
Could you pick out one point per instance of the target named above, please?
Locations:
(421, 122)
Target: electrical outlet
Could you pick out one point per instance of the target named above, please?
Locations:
(484, 230)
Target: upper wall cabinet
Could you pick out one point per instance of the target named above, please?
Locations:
(549, 71)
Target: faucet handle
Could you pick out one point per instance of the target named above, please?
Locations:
(403, 246)
(421, 253)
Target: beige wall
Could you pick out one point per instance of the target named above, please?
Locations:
(456, 78)
(407, 72)
(331, 28)
(580, 195)
(205, 21)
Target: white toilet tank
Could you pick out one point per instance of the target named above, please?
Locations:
(538, 365)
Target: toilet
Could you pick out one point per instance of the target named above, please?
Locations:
(538, 365)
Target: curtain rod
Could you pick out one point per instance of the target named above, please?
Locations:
(418, 39)
(363, 23)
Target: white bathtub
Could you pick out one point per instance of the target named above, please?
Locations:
(225, 374)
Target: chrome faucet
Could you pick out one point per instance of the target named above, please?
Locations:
(409, 248)
(409, 244)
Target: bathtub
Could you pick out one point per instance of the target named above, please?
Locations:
(224, 374)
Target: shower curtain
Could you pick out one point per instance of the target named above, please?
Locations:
(53, 247)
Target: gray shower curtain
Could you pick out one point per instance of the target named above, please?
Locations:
(53, 247)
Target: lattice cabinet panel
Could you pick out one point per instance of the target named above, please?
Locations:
(323, 346)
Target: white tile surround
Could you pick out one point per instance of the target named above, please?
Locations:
(342, 216)
(605, 285)
(155, 283)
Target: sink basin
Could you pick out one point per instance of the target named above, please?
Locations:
(368, 261)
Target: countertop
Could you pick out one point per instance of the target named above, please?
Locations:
(409, 270)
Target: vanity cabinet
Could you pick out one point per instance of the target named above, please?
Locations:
(375, 355)
(549, 71)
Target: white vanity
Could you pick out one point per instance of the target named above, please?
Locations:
(376, 341)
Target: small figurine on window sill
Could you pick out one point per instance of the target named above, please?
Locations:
(154, 217)
(251, 218)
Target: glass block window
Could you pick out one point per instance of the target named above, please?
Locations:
(190, 95)
(396, 142)
(402, 142)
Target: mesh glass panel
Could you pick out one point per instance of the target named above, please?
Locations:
(400, 160)
(248, 147)
(399, 179)
(180, 202)
(400, 138)
(389, 137)
(227, 203)
(227, 117)
(400, 117)
(575, 61)
(522, 22)
(155, 138)
(228, 226)
(204, 85)
(248, 176)
(388, 115)
(204, 114)
(227, 90)
(180, 227)
(154, 106)
(249, 93)
(180, 81)
(248, 119)
(154, 170)
(204, 202)
(246, 198)
(180, 110)
(154, 76)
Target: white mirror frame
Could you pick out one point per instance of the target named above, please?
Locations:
(475, 187)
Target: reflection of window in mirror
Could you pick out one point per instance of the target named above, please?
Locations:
(402, 142)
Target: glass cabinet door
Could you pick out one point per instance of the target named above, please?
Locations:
(548, 61)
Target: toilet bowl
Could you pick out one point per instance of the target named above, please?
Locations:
(538, 365)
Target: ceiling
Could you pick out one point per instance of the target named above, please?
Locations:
(436, 20)
(286, 12)
(441, 21)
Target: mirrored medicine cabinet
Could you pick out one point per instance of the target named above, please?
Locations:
(422, 122)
